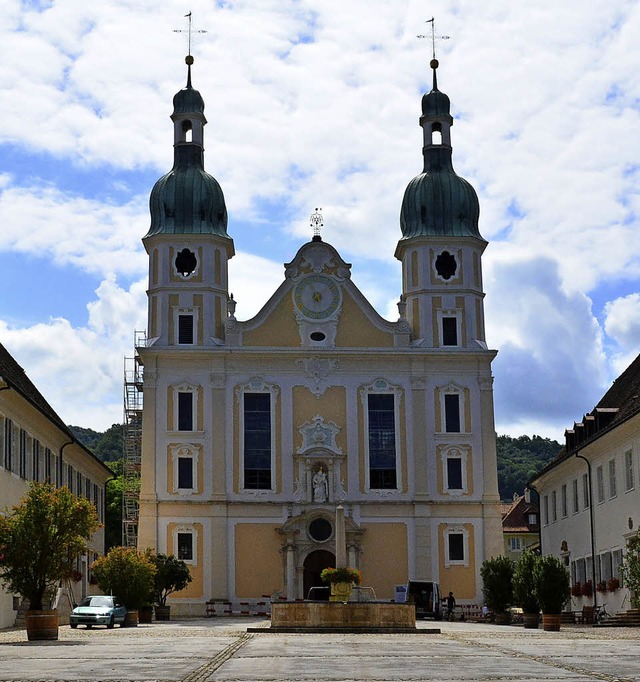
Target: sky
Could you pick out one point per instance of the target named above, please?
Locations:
(315, 103)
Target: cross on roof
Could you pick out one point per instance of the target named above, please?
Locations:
(188, 30)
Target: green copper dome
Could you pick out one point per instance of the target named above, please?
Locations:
(187, 200)
(438, 202)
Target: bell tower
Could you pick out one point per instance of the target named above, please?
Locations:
(187, 243)
(441, 245)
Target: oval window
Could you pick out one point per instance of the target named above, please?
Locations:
(320, 530)
(317, 336)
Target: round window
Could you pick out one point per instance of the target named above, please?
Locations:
(320, 530)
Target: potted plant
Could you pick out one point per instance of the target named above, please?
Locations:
(497, 587)
(587, 589)
(602, 587)
(128, 574)
(341, 580)
(172, 575)
(523, 589)
(40, 540)
(552, 589)
(576, 590)
(613, 585)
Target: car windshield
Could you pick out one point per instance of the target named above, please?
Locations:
(97, 601)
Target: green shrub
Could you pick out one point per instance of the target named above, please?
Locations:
(127, 574)
(497, 583)
(552, 585)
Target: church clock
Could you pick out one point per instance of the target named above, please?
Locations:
(317, 297)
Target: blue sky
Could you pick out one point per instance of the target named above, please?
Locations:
(316, 103)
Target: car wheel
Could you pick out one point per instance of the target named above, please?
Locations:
(73, 626)
(111, 623)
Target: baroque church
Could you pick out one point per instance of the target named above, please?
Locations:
(254, 431)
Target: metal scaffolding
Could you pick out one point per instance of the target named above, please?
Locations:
(132, 443)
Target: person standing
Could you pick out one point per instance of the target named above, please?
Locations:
(451, 604)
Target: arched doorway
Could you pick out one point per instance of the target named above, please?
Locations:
(315, 562)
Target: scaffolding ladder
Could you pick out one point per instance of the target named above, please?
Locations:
(132, 443)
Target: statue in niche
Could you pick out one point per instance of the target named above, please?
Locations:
(320, 486)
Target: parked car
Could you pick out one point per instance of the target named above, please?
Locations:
(98, 610)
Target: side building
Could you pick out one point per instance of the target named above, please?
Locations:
(36, 445)
(520, 525)
(590, 495)
(254, 431)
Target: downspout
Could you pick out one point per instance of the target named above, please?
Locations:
(593, 533)
(60, 470)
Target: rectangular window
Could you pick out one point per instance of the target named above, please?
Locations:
(600, 483)
(456, 546)
(554, 507)
(185, 411)
(581, 571)
(588, 567)
(22, 452)
(78, 484)
(35, 459)
(613, 483)
(185, 546)
(575, 496)
(629, 479)
(606, 566)
(452, 413)
(454, 473)
(257, 441)
(449, 331)
(616, 563)
(185, 473)
(545, 510)
(48, 471)
(563, 500)
(586, 493)
(185, 329)
(70, 478)
(515, 544)
(533, 519)
(382, 440)
(8, 444)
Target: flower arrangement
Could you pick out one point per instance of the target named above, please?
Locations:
(341, 575)
(602, 586)
(576, 590)
(613, 585)
(587, 589)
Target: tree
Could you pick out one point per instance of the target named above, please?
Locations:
(497, 586)
(113, 516)
(520, 459)
(523, 583)
(552, 585)
(126, 573)
(172, 575)
(631, 569)
(41, 539)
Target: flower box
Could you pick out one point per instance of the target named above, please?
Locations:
(341, 575)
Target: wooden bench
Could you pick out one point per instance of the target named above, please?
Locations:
(585, 616)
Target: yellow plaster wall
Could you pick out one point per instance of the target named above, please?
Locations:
(198, 303)
(415, 316)
(279, 329)
(436, 305)
(414, 268)
(467, 410)
(154, 267)
(195, 589)
(170, 408)
(217, 275)
(258, 561)
(356, 331)
(458, 579)
(174, 300)
(384, 561)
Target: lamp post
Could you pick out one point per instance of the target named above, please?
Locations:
(593, 533)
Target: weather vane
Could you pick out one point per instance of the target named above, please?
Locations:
(316, 223)
(189, 31)
(433, 36)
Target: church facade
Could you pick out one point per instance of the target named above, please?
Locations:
(254, 431)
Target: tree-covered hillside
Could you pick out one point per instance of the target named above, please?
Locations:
(106, 445)
(519, 459)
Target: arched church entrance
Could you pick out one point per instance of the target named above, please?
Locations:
(315, 562)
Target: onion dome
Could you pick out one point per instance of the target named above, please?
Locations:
(438, 202)
(187, 200)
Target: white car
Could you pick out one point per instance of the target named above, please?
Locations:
(99, 610)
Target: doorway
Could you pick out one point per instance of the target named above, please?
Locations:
(314, 564)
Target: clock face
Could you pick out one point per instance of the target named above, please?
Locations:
(317, 297)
